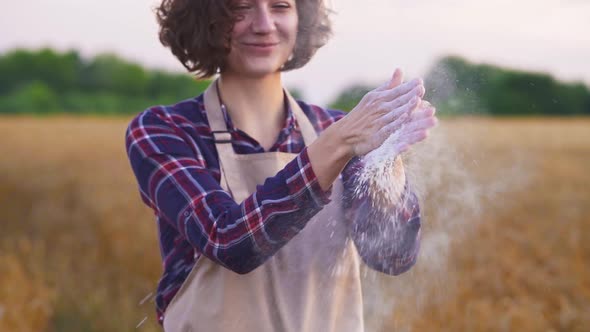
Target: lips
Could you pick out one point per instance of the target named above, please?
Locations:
(261, 44)
(260, 48)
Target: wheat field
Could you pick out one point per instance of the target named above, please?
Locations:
(506, 221)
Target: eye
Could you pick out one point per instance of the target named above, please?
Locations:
(240, 6)
(281, 5)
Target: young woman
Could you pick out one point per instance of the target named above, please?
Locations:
(252, 190)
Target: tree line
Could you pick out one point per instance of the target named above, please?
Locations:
(47, 81)
(459, 87)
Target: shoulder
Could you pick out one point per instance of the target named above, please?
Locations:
(158, 125)
(178, 114)
(320, 117)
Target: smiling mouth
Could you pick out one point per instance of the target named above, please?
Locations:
(261, 45)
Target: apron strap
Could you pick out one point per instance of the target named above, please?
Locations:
(307, 130)
(222, 137)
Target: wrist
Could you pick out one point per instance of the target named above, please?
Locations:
(341, 146)
(328, 155)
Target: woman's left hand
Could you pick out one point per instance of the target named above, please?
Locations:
(416, 127)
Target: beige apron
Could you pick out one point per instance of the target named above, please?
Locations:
(312, 284)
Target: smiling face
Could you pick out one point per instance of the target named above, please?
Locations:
(263, 36)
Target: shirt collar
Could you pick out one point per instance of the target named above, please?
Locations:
(289, 124)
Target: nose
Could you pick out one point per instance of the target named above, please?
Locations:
(263, 21)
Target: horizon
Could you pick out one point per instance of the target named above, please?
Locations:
(544, 37)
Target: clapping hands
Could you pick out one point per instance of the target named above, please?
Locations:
(394, 111)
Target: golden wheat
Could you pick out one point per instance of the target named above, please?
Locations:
(78, 248)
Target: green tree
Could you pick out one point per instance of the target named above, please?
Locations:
(457, 86)
(109, 73)
(34, 97)
(350, 97)
(102, 84)
(168, 87)
(59, 71)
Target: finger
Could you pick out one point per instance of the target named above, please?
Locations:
(396, 79)
(385, 132)
(407, 108)
(422, 124)
(404, 99)
(388, 114)
(402, 89)
(392, 127)
(425, 104)
(410, 106)
(413, 138)
(422, 113)
(409, 136)
(423, 90)
(401, 148)
(394, 123)
(385, 85)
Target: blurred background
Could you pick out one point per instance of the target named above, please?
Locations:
(503, 181)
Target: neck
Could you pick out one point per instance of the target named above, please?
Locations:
(253, 100)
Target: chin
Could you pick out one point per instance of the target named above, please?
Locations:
(261, 71)
(253, 66)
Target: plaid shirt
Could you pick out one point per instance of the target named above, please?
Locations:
(175, 162)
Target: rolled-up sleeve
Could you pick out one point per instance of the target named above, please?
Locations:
(174, 181)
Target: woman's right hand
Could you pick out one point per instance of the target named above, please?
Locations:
(380, 113)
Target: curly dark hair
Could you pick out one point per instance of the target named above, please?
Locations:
(198, 33)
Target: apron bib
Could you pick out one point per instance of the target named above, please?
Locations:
(312, 284)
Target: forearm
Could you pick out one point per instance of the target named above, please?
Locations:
(243, 235)
(329, 155)
(182, 189)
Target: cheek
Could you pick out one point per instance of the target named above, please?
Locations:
(240, 28)
(237, 30)
(295, 27)
(293, 31)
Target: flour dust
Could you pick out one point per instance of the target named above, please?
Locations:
(456, 186)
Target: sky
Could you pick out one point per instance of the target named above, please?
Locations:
(371, 37)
